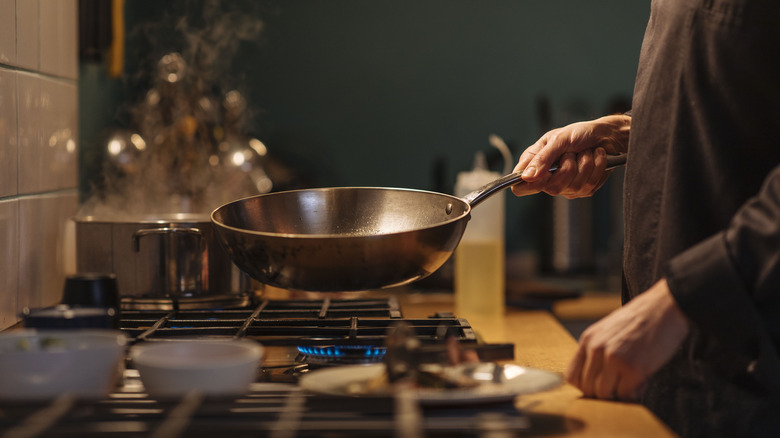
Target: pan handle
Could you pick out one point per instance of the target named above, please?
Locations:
(477, 196)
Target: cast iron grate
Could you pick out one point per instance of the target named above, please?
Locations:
(268, 410)
(294, 323)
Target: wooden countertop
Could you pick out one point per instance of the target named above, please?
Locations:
(542, 342)
(591, 305)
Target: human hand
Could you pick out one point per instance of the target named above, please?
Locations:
(619, 352)
(580, 150)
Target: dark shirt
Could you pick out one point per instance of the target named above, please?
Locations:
(702, 208)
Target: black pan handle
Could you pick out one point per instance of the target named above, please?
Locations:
(477, 196)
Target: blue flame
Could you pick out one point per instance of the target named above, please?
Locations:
(342, 350)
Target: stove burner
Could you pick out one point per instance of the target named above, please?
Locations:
(341, 354)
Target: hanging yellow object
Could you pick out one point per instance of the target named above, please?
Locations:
(116, 56)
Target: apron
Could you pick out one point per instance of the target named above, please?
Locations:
(706, 98)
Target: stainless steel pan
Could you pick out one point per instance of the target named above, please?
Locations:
(350, 238)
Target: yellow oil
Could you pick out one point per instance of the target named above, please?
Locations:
(479, 278)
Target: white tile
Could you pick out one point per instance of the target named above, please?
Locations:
(27, 26)
(49, 35)
(42, 247)
(48, 134)
(7, 31)
(30, 143)
(9, 261)
(59, 37)
(62, 137)
(8, 137)
(69, 38)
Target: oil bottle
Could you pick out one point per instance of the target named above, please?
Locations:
(479, 282)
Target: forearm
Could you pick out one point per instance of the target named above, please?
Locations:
(727, 284)
(614, 130)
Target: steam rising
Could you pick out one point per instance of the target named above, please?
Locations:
(186, 150)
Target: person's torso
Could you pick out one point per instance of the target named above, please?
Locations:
(706, 98)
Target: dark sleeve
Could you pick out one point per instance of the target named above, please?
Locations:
(729, 284)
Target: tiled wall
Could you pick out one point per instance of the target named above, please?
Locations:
(38, 150)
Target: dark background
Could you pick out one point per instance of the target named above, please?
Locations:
(392, 93)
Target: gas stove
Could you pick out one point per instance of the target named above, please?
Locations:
(299, 336)
(267, 410)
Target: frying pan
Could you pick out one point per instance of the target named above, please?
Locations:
(349, 238)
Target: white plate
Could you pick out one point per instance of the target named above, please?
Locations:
(512, 380)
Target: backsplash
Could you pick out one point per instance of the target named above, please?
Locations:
(38, 150)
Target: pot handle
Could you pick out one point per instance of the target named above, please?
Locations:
(477, 196)
(167, 230)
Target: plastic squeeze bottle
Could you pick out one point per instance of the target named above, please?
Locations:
(480, 257)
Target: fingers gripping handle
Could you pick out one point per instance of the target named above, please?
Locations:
(484, 192)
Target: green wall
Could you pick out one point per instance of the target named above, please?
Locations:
(379, 93)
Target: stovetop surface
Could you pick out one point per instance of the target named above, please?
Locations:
(267, 410)
(292, 322)
(274, 406)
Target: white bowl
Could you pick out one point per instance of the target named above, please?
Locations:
(213, 368)
(43, 364)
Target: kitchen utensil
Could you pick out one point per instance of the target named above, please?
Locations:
(44, 364)
(166, 255)
(181, 260)
(92, 289)
(213, 368)
(345, 239)
(63, 316)
(495, 383)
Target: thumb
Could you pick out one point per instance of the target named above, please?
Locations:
(539, 165)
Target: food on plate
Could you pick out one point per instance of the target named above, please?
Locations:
(405, 364)
(41, 344)
(433, 376)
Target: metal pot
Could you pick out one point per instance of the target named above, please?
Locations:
(165, 256)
